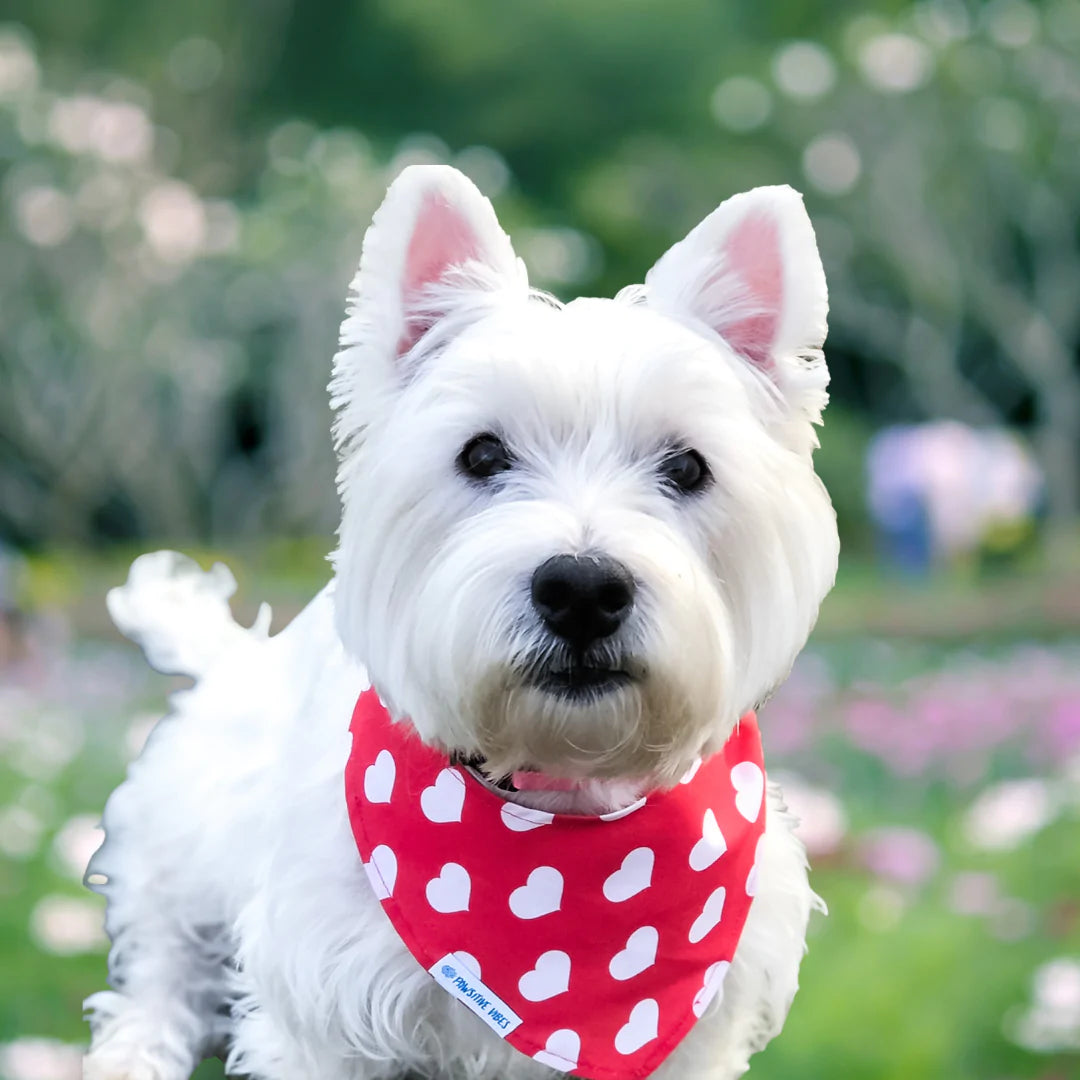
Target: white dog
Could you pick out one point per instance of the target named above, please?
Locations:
(578, 544)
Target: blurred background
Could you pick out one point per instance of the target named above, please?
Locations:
(183, 192)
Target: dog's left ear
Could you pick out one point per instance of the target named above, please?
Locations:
(434, 249)
(751, 273)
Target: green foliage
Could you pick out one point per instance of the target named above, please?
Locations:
(168, 378)
(839, 462)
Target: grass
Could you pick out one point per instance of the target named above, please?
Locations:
(901, 980)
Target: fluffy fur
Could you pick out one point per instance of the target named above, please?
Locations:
(240, 916)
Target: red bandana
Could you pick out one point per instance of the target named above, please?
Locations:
(589, 943)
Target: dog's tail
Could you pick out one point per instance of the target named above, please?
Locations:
(179, 614)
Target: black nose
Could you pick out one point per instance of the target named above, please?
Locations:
(582, 599)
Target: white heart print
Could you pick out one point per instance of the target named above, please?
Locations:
(382, 871)
(540, 895)
(524, 818)
(752, 877)
(711, 845)
(710, 915)
(561, 1050)
(638, 956)
(641, 1028)
(379, 778)
(691, 772)
(548, 979)
(749, 783)
(444, 800)
(632, 877)
(450, 891)
(615, 815)
(712, 985)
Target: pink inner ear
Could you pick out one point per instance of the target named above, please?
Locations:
(442, 238)
(753, 253)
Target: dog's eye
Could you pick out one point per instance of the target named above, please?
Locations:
(483, 457)
(685, 470)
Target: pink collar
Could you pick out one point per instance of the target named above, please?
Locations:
(592, 944)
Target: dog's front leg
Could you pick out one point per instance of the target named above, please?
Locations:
(165, 1015)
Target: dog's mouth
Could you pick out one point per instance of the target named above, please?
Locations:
(580, 679)
(580, 683)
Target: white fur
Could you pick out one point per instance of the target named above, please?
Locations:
(233, 877)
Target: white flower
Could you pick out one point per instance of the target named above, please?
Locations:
(40, 1059)
(174, 221)
(18, 66)
(895, 63)
(44, 216)
(832, 163)
(1052, 1023)
(1007, 814)
(804, 69)
(122, 132)
(76, 841)
(823, 822)
(66, 926)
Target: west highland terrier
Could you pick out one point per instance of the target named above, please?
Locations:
(493, 807)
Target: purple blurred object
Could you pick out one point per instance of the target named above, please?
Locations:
(900, 855)
(938, 491)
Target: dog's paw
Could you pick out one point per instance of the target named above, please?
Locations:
(124, 1064)
(137, 1050)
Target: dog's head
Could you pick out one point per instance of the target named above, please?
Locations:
(580, 539)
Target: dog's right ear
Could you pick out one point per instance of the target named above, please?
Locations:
(433, 249)
(751, 275)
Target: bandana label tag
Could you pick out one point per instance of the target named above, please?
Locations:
(454, 974)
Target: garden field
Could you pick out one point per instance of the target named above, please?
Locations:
(937, 775)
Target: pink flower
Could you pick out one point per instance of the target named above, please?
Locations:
(902, 855)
